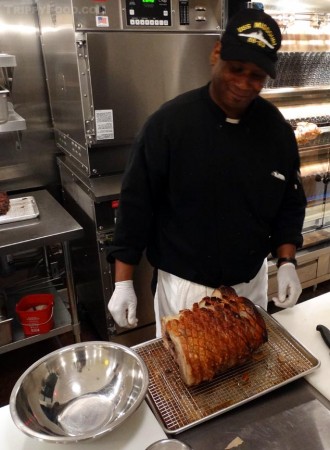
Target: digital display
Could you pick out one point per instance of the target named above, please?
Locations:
(148, 1)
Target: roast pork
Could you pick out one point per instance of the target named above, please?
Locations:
(218, 333)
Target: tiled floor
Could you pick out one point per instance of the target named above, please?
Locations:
(14, 363)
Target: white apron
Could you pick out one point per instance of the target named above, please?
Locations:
(174, 293)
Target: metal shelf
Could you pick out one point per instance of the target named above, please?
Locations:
(14, 123)
(62, 323)
(7, 60)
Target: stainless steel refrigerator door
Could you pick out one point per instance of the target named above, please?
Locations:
(132, 74)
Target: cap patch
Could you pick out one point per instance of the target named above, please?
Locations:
(258, 33)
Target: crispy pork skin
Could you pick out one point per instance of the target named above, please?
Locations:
(219, 332)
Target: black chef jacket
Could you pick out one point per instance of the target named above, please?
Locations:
(207, 199)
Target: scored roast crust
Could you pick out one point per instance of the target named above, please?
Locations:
(219, 332)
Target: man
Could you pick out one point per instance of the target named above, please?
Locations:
(212, 186)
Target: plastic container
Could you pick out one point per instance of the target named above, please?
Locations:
(35, 312)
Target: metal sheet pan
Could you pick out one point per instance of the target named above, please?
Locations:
(22, 208)
(280, 361)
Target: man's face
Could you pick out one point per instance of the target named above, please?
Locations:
(235, 84)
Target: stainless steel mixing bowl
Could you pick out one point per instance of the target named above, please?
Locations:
(79, 392)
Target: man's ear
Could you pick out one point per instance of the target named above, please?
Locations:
(215, 53)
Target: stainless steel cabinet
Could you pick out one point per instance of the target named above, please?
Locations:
(93, 202)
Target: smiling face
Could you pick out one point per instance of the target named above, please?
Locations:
(235, 84)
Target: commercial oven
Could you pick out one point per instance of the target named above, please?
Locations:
(109, 65)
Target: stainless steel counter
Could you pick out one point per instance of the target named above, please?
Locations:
(294, 416)
(53, 224)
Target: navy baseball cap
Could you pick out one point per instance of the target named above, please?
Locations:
(251, 35)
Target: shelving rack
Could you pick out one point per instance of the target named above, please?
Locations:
(53, 225)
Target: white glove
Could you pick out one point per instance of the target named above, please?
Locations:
(122, 304)
(289, 287)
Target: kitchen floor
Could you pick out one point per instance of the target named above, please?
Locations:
(14, 363)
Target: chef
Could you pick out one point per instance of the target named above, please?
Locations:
(212, 186)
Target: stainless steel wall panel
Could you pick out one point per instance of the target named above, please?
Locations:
(27, 162)
(60, 56)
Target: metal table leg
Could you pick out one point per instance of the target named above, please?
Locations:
(71, 291)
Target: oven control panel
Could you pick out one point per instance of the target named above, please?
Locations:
(140, 15)
(148, 13)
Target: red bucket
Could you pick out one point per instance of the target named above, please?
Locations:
(35, 312)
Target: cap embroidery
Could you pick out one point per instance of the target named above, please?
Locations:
(258, 36)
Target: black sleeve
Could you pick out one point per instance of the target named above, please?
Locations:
(143, 186)
(287, 228)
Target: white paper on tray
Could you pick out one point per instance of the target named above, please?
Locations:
(22, 208)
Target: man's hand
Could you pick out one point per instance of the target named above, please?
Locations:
(122, 304)
(289, 287)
